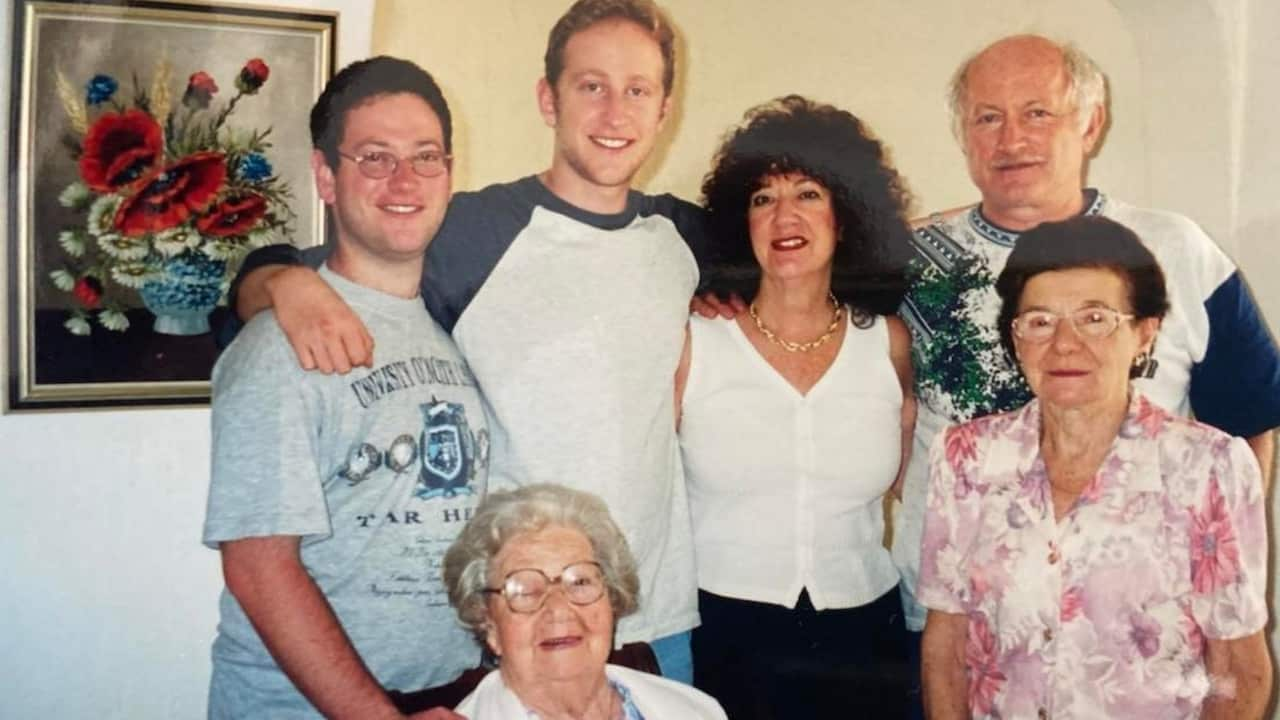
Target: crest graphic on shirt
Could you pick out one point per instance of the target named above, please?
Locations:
(448, 454)
(446, 450)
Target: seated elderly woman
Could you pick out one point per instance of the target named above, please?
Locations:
(540, 574)
(1091, 555)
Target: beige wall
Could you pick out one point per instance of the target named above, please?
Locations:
(1183, 134)
(886, 62)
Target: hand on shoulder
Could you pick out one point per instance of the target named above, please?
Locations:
(709, 305)
(325, 333)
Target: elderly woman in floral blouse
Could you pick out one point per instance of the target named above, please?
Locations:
(1091, 555)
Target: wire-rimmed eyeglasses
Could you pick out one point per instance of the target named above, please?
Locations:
(526, 589)
(379, 164)
(1096, 322)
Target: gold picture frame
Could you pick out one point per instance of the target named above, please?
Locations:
(151, 145)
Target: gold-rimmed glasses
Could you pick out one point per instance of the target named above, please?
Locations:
(526, 589)
(1095, 322)
(379, 164)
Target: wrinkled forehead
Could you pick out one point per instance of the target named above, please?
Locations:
(549, 549)
(1019, 74)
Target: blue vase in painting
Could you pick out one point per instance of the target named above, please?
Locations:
(182, 298)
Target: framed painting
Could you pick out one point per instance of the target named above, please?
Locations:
(152, 146)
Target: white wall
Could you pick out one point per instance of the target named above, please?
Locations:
(110, 601)
(1256, 222)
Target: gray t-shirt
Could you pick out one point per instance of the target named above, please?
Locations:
(376, 471)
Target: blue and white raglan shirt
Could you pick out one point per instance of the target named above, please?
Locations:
(573, 324)
(1216, 357)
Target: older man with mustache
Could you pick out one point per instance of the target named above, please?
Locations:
(1028, 113)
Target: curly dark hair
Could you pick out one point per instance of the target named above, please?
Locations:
(1083, 241)
(793, 134)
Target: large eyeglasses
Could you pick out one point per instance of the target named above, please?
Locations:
(1090, 322)
(526, 589)
(379, 164)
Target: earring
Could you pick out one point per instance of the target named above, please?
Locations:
(1144, 366)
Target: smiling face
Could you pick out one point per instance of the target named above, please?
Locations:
(560, 641)
(1024, 139)
(389, 219)
(1072, 371)
(607, 108)
(793, 228)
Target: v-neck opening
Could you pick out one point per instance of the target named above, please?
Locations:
(746, 345)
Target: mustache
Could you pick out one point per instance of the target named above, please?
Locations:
(1004, 162)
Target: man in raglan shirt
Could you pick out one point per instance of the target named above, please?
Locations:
(567, 293)
(1028, 113)
(334, 497)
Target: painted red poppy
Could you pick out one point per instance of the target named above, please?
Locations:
(88, 290)
(252, 76)
(233, 216)
(169, 197)
(201, 88)
(119, 150)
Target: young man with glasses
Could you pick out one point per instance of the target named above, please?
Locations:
(567, 292)
(333, 497)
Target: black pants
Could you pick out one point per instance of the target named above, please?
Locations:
(767, 662)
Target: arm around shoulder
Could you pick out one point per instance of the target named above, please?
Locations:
(324, 332)
(247, 296)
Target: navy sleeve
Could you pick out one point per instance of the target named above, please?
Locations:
(1236, 387)
(279, 254)
(477, 230)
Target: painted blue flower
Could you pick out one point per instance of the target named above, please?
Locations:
(255, 168)
(100, 89)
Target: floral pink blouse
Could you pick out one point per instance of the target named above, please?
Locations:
(1104, 613)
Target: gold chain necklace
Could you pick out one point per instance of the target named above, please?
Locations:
(790, 346)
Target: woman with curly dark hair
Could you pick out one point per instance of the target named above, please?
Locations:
(796, 418)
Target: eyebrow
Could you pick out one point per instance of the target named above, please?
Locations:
(596, 74)
(383, 144)
(987, 106)
(1086, 305)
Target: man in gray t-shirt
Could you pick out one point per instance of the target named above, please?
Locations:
(334, 498)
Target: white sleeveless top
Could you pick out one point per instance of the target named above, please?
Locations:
(786, 489)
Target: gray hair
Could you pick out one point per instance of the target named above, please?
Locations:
(1086, 85)
(504, 515)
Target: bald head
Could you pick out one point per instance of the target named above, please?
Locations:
(1028, 113)
(1082, 80)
